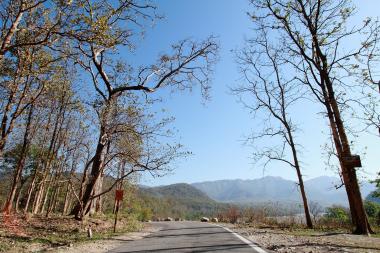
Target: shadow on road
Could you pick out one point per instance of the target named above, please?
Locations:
(174, 229)
(221, 247)
(187, 234)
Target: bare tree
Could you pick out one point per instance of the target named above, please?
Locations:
(273, 95)
(316, 210)
(105, 26)
(312, 33)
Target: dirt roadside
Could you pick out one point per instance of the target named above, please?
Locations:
(308, 241)
(65, 234)
(100, 246)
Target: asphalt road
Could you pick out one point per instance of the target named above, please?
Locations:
(189, 236)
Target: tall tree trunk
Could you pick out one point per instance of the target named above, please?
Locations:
(56, 199)
(79, 206)
(30, 189)
(56, 187)
(46, 195)
(52, 151)
(20, 164)
(309, 222)
(67, 196)
(97, 166)
(37, 198)
(4, 123)
(98, 202)
(359, 216)
(83, 206)
(68, 189)
(18, 197)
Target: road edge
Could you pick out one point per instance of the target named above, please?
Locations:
(245, 240)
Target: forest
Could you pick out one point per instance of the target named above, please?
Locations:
(78, 121)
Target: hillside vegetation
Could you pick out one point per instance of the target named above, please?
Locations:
(178, 201)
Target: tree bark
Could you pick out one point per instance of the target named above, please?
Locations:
(20, 164)
(309, 222)
(67, 196)
(30, 190)
(359, 216)
(97, 166)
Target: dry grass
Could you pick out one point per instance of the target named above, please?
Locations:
(298, 239)
(24, 233)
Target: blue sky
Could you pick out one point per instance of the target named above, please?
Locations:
(214, 131)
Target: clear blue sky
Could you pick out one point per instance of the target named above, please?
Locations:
(213, 132)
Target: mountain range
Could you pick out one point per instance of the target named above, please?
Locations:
(192, 201)
(276, 189)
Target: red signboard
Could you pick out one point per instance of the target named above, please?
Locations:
(119, 194)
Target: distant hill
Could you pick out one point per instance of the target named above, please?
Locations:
(180, 200)
(276, 189)
(182, 191)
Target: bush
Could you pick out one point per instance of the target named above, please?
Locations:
(338, 213)
(372, 209)
(231, 215)
(145, 214)
(335, 217)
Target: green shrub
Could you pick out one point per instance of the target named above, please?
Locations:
(372, 209)
(338, 213)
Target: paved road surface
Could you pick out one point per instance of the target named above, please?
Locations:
(188, 236)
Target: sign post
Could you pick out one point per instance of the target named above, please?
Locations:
(118, 197)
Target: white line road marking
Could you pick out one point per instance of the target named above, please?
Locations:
(251, 244)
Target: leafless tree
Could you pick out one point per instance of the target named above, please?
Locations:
(316, 210)
(105, 26)
(273, 96)
(312, 33)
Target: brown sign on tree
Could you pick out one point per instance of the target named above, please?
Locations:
(352, 161)
(119, 195)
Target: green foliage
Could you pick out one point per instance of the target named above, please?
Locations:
(376, 193)
(337, 213)
(372, 209)
(177, 201)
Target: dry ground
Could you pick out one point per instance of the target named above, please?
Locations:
(308, 241)
(64, 234)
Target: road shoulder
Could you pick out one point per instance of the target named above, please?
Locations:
(105, 245)
(303, 240)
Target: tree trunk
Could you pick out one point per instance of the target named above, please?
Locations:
(37, 199)
(20, 164)
(67, 196)
(83, 206)
(97, 166)
(56, 199)
(99, 200)
(18, 197)
(4, 122)
(79, 206)
(309, 223)
(30, 190)
(46, 195)
(351, 182)
(55, 186)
